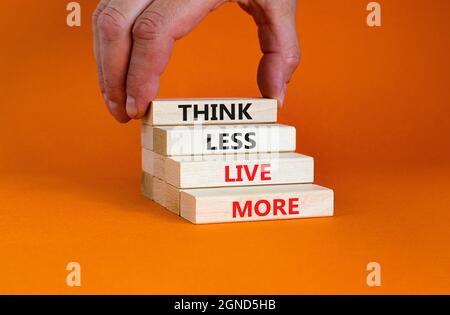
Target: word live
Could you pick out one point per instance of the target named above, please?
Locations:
(227, 160)
(263, 170)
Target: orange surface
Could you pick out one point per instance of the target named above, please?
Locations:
(370, 104)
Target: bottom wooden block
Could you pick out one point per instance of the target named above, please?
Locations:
(246, 203)
(254, 203)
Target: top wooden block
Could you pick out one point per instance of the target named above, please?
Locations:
(211, 111)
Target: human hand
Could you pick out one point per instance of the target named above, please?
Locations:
(134, 39)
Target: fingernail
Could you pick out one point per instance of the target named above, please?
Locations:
(131, 107)
(112, 105)
(282, 95)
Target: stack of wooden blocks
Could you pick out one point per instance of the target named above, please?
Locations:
(227, 160)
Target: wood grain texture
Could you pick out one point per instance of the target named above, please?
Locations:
(147, 136)
(219, 139)
(147, 185)
(161, 192)
(153, 163)
(196, 171)
(235, 204)
(211, 111)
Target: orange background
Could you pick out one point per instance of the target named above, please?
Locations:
(370, 104)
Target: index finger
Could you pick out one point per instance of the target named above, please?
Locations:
(154, 35)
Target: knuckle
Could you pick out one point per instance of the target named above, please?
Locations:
(293, 57)
(148, 26)
(111, 23)
(98, 10)
(95, 16)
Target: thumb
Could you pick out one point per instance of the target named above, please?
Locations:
(277, 33)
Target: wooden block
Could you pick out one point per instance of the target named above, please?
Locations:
(254, 203)
(172, 199)
(147, 185)
(161, 192)
(235, 204)
(195, 171)
(211, 111)
(214, 139)
(147, 136)
(153, 163)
